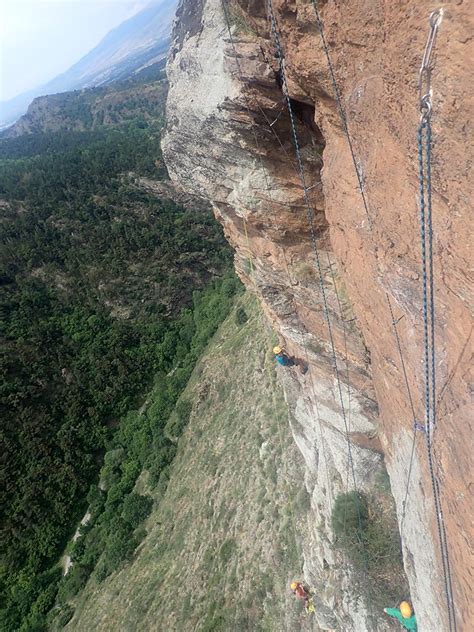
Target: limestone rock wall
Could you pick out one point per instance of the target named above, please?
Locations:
(228, 140)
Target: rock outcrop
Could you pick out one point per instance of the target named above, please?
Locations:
(229, 140)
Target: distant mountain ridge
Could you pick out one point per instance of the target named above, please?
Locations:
(91, 108)
(136, 43)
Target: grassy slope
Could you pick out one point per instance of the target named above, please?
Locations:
(221, 546)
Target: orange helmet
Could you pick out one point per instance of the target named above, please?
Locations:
(406, 610)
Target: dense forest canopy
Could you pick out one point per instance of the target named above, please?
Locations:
(106, 289)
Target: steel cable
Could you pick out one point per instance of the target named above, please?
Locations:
(310, 213)
(429, 359)
(429, 338)
(410, 399)
(269, 192)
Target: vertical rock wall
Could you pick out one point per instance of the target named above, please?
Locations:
(229, 140)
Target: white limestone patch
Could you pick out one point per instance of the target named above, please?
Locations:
(418, 548)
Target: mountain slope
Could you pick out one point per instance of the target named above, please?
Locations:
(134, 44)
(91, 108)
(221, 546)
(95, 273)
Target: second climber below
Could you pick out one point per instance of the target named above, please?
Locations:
(404, 614)
(282, 357)
(298, 589)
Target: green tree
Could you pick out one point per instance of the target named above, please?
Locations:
(136, 508)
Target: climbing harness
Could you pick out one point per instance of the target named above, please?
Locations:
(418, 426)
(310, 607)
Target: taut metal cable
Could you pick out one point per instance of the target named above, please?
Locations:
(310, 213)
(429, 333)
(269, 192)
(342, 112)
(415, 425)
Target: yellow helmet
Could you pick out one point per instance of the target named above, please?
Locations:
(405, 609)
(293, 585)
(276, 350)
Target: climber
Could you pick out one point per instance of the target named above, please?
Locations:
(285, 360)
(282, 358)
(300, 591)
(404, 614)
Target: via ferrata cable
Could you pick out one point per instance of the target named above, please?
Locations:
(310, 213)
(285, 259)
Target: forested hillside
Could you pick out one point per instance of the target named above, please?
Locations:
(135, 44)
(106, 290)
(140, 96)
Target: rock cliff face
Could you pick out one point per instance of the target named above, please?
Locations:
(229, 140)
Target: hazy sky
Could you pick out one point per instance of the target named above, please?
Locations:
(41, 38)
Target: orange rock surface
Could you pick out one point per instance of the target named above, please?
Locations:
(229, 140)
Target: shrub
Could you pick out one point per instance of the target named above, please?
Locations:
(66, 614)
(226, 550)
(102, 571)
(241, 316)
(95, 500)
(366, 529)
(349, 517)
(216, 619)
(158, 480)
(110, 473)
(130, 472)
(120, 544)
(240, 21)
(215, 624)
(179, 419)
(303, 500)
(73, 582)
(305, 272)
(136, 508)
(34, 623)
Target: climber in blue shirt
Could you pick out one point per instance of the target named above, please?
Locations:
(282, 358)
(285, 360)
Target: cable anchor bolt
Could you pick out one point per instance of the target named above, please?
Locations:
(424, 77)
(426, 107)
(395, 322)
(418, 426)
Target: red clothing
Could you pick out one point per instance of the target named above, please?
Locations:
(300, 591)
